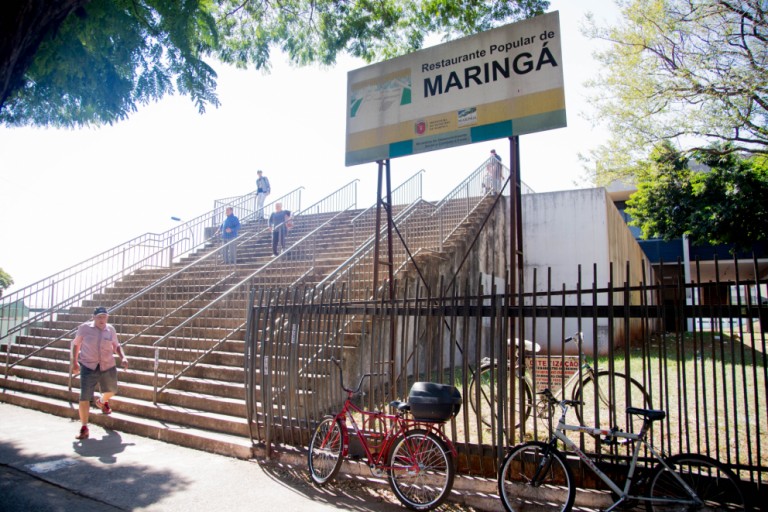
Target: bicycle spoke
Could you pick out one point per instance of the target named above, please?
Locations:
(421, 470)
(324, 457)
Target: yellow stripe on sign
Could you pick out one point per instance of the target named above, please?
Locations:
(511, 109)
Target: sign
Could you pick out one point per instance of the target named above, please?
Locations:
(499, 83)
(552, 372)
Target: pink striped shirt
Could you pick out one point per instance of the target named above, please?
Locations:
(97, 346)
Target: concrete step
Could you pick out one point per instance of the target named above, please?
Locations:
(221, 415)
(138, 382)
(203, 370)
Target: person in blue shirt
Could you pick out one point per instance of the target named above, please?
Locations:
(228, 231)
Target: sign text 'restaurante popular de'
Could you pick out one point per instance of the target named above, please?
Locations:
(503, 82)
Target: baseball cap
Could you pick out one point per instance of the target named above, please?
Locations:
(101, 310)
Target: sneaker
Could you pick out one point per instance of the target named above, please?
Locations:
(104, 406)
(83, 433)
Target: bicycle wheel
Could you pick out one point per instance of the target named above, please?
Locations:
(421, 470)
(594, 393)
(714, 484)
(480, 393)
(535, 476)
(324, 458)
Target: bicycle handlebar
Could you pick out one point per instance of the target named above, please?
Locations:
(359, 384)
(554, 401)
(578, 337)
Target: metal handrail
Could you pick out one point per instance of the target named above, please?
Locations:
(400, 194)
(221, 297)
(84, 293)
(319, 207)
(52, 294)
(411, 215)
(364, 249)
(405, 194)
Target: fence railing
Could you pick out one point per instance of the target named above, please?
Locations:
(488, 179)
(712, 382)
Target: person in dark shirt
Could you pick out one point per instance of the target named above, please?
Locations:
(278, 222)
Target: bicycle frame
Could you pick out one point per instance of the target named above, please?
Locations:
(393, 426)
(640, 440)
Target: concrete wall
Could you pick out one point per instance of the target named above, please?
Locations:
(562, 230)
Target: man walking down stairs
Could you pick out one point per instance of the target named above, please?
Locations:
(95, 346)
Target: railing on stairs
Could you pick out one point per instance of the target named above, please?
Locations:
(425, 228)
(184, 342)
(459, 204)
(74, 286)
(421, 227)
(410, 191)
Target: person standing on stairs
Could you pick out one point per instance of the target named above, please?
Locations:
(493, 170)
(262, 191)
(94, 349)
(228, 230)
(278, 221)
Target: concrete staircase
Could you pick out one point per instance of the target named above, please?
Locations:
(205, 407)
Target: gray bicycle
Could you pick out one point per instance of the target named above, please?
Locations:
(537, 476)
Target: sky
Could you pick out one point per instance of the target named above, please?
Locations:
(66, 195)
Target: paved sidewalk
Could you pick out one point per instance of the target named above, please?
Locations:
(44, 468)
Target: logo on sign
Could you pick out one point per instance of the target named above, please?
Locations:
(420, 127)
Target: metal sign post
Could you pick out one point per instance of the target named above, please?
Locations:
(515, 271)
(385, 180)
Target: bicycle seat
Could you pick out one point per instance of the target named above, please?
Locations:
(400, 406)
(529, 347)
(649, 414)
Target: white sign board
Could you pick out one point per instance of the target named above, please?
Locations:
(503, 82)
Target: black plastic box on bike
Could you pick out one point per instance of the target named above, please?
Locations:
(434, 402)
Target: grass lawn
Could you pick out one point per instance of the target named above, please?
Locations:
(712, 387)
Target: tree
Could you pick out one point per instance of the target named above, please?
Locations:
(5, 281)
(689, 71)
(720, 202)
(81, 62)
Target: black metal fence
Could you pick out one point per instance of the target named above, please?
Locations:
(697, 351)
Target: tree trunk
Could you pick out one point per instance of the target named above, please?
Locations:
(23, 26)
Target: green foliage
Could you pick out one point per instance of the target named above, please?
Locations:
(113, 55)
(682, 71)
(5, 280)
(103, 62)
(722, 202)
